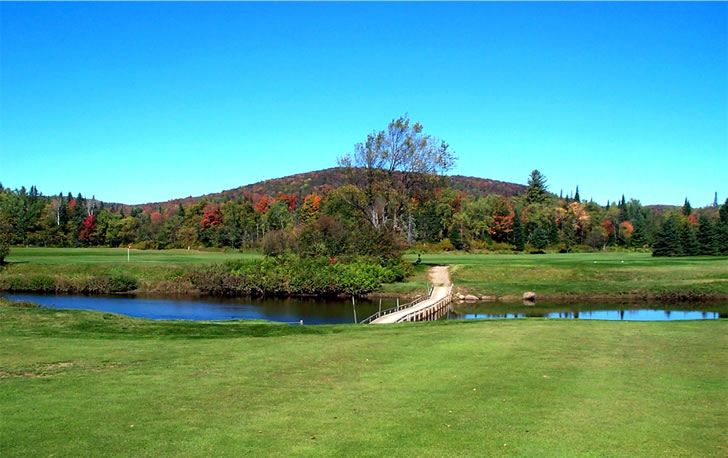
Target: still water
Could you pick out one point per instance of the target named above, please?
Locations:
(328, 311)
(609, 312)
(311, 311)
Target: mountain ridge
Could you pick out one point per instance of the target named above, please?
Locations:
(321, 181)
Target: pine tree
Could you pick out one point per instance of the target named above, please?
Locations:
(539, 239)
(639, 235)
(687, 209)
(723, 212)
(577, 198)
(536, 191)
(667, 240)
(722, 232)
(715, 200)
(518, 236)
(456, 237)
(707, 237)
(689, 241)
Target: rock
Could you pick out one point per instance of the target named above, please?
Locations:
(488, 298)
(471, 298)
(461, 297)
(529, 296)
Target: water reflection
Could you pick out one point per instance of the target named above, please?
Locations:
(311, 311)
(321, 311)
(589, 312)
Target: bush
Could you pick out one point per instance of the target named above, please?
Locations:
(119, 283)
(288, 275)
(275, 243)
(144, 245)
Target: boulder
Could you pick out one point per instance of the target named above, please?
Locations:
(471, 298)
(529, 296)
(488, 298)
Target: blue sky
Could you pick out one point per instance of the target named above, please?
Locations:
(139, 102)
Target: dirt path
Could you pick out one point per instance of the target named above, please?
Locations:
(439, 276)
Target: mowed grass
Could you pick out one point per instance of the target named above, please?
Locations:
(583, 274)
(82, 383)
(118, 256)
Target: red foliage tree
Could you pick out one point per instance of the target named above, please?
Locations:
(626, 228)
(289, 199)
(608, 226)
(262, 203)
(155, 217)
(211, 217)
(88, 226)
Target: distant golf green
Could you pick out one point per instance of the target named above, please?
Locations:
(84, 383)
(582, 274)
(119, 256)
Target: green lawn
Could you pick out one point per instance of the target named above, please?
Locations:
(118, 256)
(583, 274)
(82, 383)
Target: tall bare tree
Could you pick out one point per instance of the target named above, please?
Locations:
(392, 167)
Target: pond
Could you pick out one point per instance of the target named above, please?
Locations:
(311, 311)
(609, 312)
(335, 311)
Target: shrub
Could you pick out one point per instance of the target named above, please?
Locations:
(121, 283)
(288, 275)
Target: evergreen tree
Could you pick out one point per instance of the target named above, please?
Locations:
(536, 191)
(456, 237)
(539, 239)
(576, 195)
(667, 240)
(689, 240)
(722, 235)
(707, 237)
(518, 235)
(639, 235)
(723, 212)
(715, 200)
(687, 209)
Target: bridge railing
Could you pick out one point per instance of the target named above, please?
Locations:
(446, 300)
(381, 313)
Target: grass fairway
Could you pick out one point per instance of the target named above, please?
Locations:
(117, 256)
(82, 383)
(584, 274)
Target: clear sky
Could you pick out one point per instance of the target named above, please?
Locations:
(139, 102)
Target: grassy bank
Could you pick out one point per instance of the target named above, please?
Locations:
(79, 383)
(73, 269)
(584, 275)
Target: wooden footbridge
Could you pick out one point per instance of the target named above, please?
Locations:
(433, 306)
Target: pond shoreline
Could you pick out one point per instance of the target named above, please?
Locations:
(187, 291)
